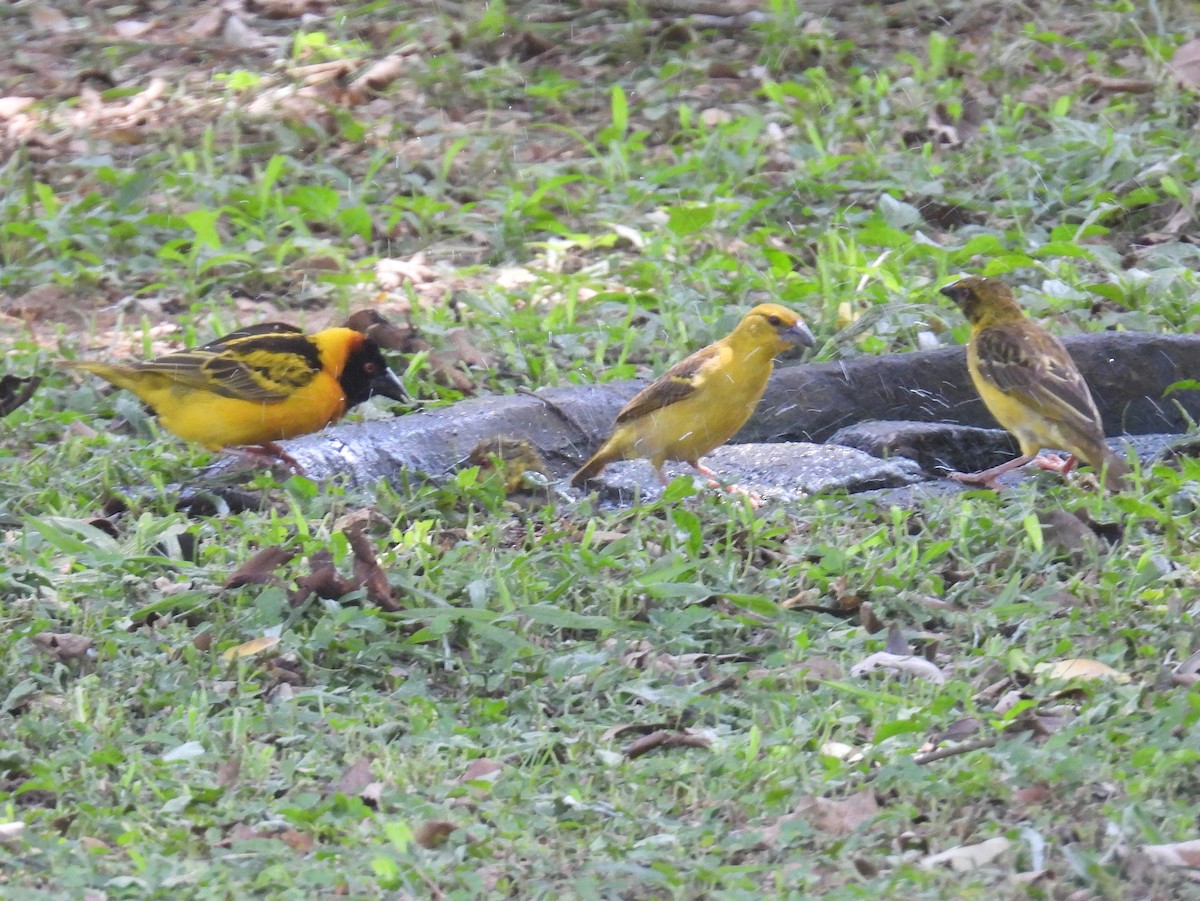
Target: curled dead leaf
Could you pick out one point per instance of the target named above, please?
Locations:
(260, 569)
(250, 648)
(913, 666)
(46, 18)
(384, 332)
(228, 772)
(375, 78)
(391, 274)
(355, 778)
(482, 769)
(324, 581)
(1185, 64)
(1175, 854)
(964, 858)
(1080, 668)
(838, 817)
(841, 751)
(432, 833)
(369, 573)
(10, 106)
(64, 645)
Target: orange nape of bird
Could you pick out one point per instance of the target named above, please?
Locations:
(257, 385)
(698, 404)
(1029, 382)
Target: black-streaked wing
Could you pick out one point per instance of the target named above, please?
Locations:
(680, 381)
(1022, 359)
(253, 364)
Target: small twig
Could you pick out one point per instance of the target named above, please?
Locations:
(943, 753)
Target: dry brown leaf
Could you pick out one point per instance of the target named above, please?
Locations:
(260, 569)
(228, 772)
(324, 581)
(369, 573)
(481, 769)
(285, 670)
(237, 35)
(10, 106)
(371, 795)
(1028, 797)
(356, 777)
(322, 73)
(960, 729)
(362, 518)
(207, 23)
(964, 858)
(1080, 668)
(868, 619)
(250, 648)
(838, 817)
(93, 845)
(47, 18)
(391, 274)
(288, 9)
(897, 644)
(913, 666)
(1175, 854)
(432, 833)
(129, 29)
(375, 78)
(841, 751)
(300, 842)
(64, 645)
(1185, 64)
(384, 332)
(466, 351)
(1188, 671)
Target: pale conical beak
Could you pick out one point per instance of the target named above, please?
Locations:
(798, 334)
(388, 384)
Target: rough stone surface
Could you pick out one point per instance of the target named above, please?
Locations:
(936, 447)
(784, 471)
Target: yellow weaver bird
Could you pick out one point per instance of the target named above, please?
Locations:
(1029, 382)
(257, 385)
(700, 403)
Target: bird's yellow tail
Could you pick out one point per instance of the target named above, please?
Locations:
(122, 376)
(594, 466)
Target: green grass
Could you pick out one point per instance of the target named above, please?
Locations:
(591, 213)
